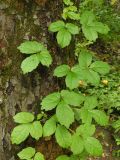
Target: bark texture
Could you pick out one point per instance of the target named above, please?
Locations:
(19, 21)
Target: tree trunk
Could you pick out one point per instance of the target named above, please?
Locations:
(19, 21)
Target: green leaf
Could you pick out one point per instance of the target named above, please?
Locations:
(51, 101)
(63, 137)
(39, 156)
(36, 130)
(91, 27)
(73, 29)
(23, 117)
(85, 59)
(100, 67)
(61, 70)
(73, 15)
(72, 80)
(89, 33)
(100, 27)
(68, 2)
(30, 47)
(20, 133)
(91, 76)
(85, 116)
(77, 144)
(62, 157)
(49, 127)
(100, 117)
(26, 153)
(87, 18)
(65, 114)
(45, 58)
(116, 124)
(86, 130)
(77, 113)
(56, 26)
(30, 63)
(90, 102)
(93, 146)
(72, 98)
(63, 38)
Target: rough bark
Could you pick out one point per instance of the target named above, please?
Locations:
(19, 21)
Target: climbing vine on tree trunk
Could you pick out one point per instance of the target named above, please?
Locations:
(70, 105)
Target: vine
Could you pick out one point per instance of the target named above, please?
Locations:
(69, 105)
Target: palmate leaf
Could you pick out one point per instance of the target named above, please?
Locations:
(61, 70)
(39, 156)
(49, 127)
(20, 133)
(30, 63)
(62, 157)
(65, 114)
(23, 117)
(36, 130)
(50, 101)
(63, 137)
(72, 98)
(30, 47)
(45, 58)
(26, 153)
(77, 145)
(93, 146)
(63, 38)
(56, 26)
